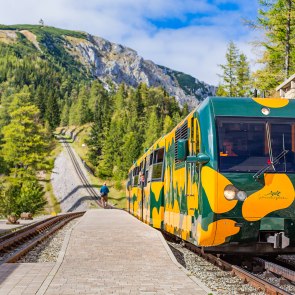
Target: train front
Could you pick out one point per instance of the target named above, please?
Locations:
(254, 153)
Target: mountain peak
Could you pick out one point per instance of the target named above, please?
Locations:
(110, 61)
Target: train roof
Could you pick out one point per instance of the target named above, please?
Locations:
(249, 107)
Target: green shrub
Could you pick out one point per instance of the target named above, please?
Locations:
(22, 196)
(118, 185)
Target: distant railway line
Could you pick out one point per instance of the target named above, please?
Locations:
(92, 193)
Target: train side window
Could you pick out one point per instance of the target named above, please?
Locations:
(194, 137)
(157, 168)
(149, 167)
(197, 137)
(146, 170)
(180, 133)
(140, 168)
(135, 176)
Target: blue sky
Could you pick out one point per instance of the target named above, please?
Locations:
(186, 35)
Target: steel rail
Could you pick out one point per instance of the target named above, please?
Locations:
(258, 283)
(277, 269)
(26, 240)
(247, 277)
(18, 230)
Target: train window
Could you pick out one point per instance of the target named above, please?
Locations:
(150, 159)
(135, 176)
(157, 168)
(180, 133)
(248, 145)
(148, 169)
(158, 156)
(194, 137)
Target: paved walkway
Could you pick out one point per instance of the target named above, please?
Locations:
(107, 252)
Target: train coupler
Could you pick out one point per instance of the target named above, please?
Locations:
(279, 240)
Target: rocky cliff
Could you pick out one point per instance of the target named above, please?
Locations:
(108, 61)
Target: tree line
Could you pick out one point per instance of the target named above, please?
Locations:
(276, 25)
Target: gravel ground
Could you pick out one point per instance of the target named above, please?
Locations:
(219, 281)
(67, 186)
(49, 249)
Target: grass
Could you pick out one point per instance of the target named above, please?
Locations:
(77, 137)
(53, 206)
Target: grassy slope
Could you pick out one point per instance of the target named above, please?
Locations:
(116, 197)
(52, 206)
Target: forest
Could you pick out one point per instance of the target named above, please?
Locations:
(42, 90)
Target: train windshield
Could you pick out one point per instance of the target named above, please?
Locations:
(250, 145)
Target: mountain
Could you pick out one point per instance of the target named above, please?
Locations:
(95, 57)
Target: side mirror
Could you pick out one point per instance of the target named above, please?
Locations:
(182, 149)
(202, 158)
(199, 159)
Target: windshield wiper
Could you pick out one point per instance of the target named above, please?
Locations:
(271, 164)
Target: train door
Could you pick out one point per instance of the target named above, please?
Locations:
(192, 170)
(146, 191)
(141, 191)
(155, 177)
(134, 196)
(129, 191)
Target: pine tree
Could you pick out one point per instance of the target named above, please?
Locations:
(243, 76)
(64, 120)
(95, 139)
(185, 110)
(236, 74)
(130, 152)
(229, 75)
(83, 111)
(277, 21)
(24, 145)
(52, 114)
(153, 129)
(168, 124)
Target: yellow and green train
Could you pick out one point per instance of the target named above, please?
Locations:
(223, 178)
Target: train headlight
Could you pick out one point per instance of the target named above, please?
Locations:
(265, 111)
(241, 195)
(230, 192)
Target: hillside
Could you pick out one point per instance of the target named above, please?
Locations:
(84, 56)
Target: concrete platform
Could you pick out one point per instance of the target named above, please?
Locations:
(107, 252)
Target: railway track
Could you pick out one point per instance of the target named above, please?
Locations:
(16, 244)
(92, 193)
(260, 283)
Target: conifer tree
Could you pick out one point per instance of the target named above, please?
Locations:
(243, 76)
(24, 145)
(52, 114)
(153, 129)
(101, 108)
(236, 74)
(168, 124)
(130, 152)
(277, 22)
(64, 120)
(96, 136)
(229, 76)
(185, 110)
(83, 111)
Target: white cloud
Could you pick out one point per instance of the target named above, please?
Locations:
(196, 49)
